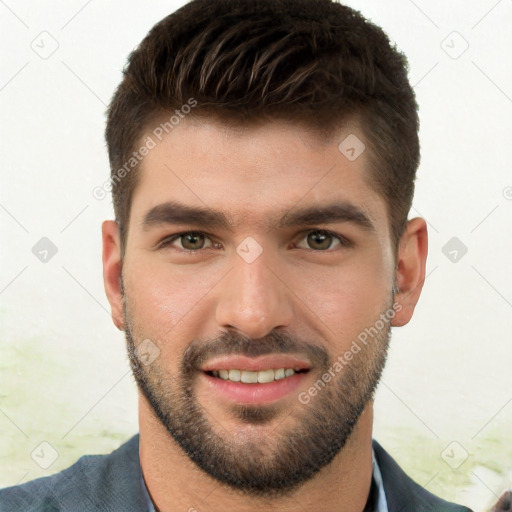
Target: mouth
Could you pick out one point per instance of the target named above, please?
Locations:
(260, 380)
(259, 377)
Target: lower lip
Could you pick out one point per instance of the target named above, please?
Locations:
(255, 393)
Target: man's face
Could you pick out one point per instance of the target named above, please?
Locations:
(258, 292)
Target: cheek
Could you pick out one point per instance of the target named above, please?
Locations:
(162, 295)
(345, 299)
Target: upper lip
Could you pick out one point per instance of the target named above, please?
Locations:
(270, 361)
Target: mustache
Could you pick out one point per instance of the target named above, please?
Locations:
(236, 343)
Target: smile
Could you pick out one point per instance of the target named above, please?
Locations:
(255, 380)
(256, 377)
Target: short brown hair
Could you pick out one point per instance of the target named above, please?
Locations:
(310, 61)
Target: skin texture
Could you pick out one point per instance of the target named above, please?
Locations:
(293, 291)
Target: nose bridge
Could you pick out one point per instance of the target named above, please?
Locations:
(253, 299)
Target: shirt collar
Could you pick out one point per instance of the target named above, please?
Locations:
(382, 505)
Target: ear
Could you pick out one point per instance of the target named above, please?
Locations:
(112, 266)
(410, 270)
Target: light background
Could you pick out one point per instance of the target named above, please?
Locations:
(447, 390)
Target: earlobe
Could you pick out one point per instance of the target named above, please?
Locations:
(112, 267)
(410, 270)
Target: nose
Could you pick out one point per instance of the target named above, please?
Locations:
(254, 299)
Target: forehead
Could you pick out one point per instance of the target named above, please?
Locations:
(254, 174)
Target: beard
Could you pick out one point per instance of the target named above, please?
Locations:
(260, 466)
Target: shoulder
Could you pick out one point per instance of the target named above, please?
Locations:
(403, 493)
(94, 482)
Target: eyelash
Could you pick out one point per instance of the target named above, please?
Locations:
(166, 242)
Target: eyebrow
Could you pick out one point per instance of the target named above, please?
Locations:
(173, 212)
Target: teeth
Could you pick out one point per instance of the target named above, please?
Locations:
(279, 374)
(234, 375)
(266, 376)
(249, 377)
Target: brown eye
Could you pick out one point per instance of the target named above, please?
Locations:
(321, 240)
(192, 241)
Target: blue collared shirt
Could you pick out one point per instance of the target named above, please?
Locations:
(382, 505)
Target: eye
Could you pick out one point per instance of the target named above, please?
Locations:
(321, 240)
(191, 241)
(196, 241)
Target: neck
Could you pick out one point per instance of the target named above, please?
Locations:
(174, 482)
